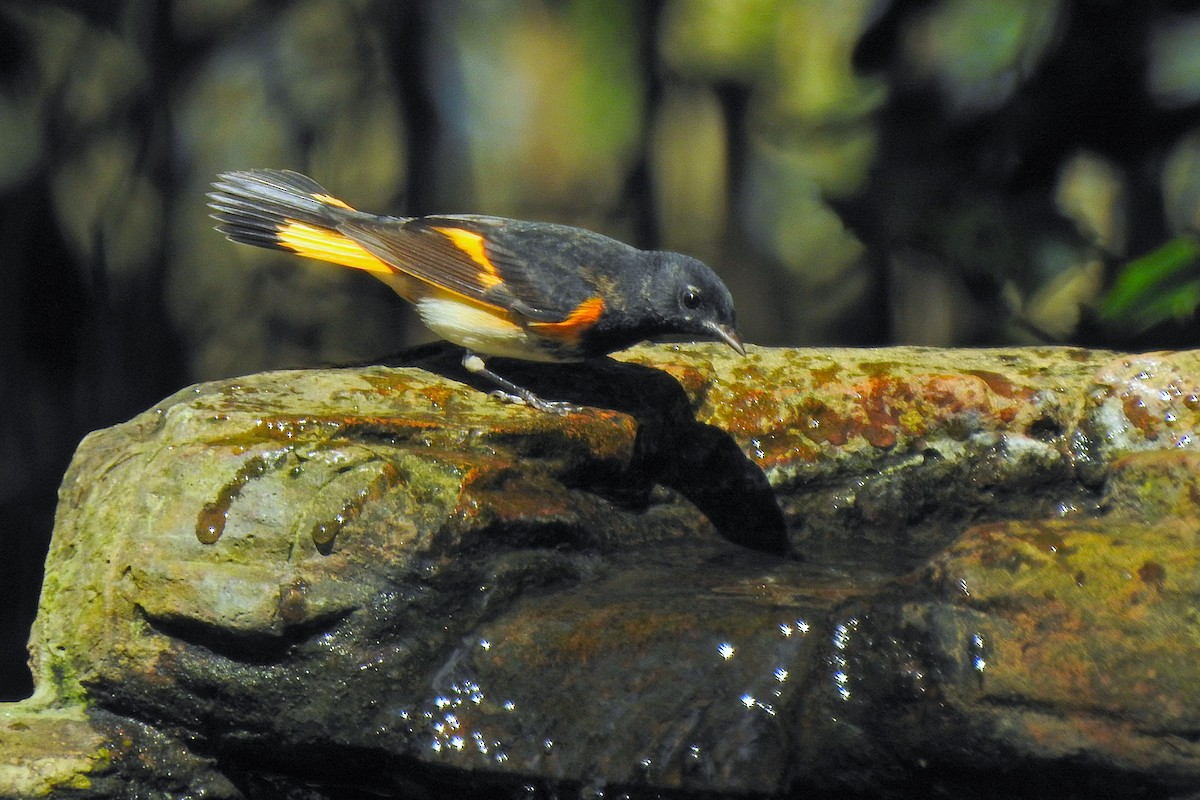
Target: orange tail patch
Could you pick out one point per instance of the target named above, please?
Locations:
(326, 245)
(329, 199)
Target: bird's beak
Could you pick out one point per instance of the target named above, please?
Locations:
(727, 335)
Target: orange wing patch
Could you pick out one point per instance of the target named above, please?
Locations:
(472, 244)
(327, 245)
(585, 315)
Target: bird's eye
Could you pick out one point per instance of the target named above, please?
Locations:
(691, 297)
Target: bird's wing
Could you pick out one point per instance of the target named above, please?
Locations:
(448, 254)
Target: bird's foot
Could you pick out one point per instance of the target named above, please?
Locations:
(533, 401)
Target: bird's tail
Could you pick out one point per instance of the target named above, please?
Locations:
(284, 210)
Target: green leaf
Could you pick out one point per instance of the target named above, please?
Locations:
(1160, 286)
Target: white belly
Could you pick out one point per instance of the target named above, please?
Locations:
(477, 330)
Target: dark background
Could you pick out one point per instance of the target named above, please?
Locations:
(866, 173)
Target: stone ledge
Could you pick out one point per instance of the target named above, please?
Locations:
(723, 575)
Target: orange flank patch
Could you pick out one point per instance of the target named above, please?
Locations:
(472, 244)
(327, 245)
(330, 200)
(585, 315)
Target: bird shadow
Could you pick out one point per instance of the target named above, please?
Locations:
(672, 448)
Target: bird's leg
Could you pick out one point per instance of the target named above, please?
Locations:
(510, 392)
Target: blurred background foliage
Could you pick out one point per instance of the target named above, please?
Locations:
(942, 172)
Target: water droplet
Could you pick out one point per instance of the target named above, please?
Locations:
(842, 681)
(976, 652)
(841, 634)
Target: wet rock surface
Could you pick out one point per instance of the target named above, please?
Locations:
(895, 572)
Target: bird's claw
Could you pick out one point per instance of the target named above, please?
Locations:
(533, 401)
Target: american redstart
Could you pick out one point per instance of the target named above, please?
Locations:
(495, 286)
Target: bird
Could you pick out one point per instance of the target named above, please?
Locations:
(508, 288)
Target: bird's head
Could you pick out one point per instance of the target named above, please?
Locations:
(690, 299)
